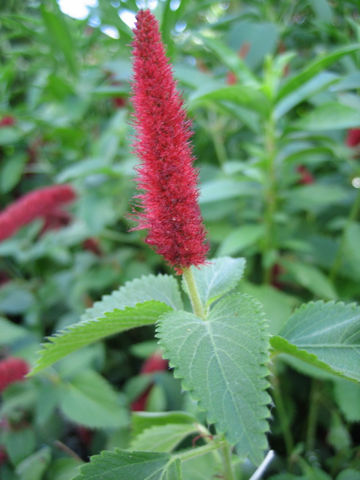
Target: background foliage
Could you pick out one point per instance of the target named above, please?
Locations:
(272, 89)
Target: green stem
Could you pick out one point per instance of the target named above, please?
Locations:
(283, 417)
(354, 211)
(197, 452)
(196, 303)
(270, 194)
(312, 418)
(226, 456)
(217, 138)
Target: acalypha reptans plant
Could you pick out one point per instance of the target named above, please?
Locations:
(215, 338)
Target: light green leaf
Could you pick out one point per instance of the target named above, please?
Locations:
(11, 172)
(240, 238)
(145, 420)
(326, 335)
(347, 396)
(217, 277)
(312, 69)
(125, 465)
(33, 467)
(241, 95)
(216, 190)
(311, 278)
(91, 329)
(88, 399)
(329, 116)
(10, 332)
(221, 361)
(163, 438)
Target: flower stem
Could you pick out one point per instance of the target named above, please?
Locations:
(226, 456)
(312, 418)
(196, 303)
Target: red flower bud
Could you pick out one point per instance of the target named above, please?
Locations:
(305, 176)
(92, 245)
(12, 370)
(231, 78)
(353, 137)
(166, 174)
(33, 205)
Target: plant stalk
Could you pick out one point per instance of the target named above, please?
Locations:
(270, 193)
(283, 417)
(196, 303)
(312, 418)
(227, 465)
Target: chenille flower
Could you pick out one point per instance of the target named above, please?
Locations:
(353, 137)
(36, 204)
(166, 176)
(12, 370)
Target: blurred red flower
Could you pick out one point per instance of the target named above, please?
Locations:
(12, 370)
(353, 137)
(7, 121)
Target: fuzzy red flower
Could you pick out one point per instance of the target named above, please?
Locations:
(166, 174)
(305, 176)
(7, 121)
(33, 205)
(12, 370)
(353, 137)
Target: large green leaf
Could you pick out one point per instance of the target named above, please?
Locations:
(221, 360)
(149, 297)
(217, 277)
(90, 330)
(162, 438)
(125, 465)
(313, 68)
(325, 335)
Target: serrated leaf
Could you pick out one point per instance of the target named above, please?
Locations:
(125, 465)
(144, 420)
(88, 399)
(326, 335)
(163, 438)
(94, 328)
(217, 277)
(222, 362)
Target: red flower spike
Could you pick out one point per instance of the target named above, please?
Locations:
(231, 78)
(305, 176)
(353, 137)
(166, 174)
(12, 370)
(92, 245)
(33, 205)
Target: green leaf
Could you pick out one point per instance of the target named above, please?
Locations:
(163, 438)
(311, 278)
(125, 465)
(314, 68)
(221, 361)
(316, 84)
(11, 172)
(88, 399)
(329, 116)
(217, 277)
(144, 420)
(326, 335)
(349, 474)
(33, 467)
(347, 396)
(90, 330)
(241, 238)
(19, 444)
(322, 10)
(216, 190)
(10, 332)
(241, 95)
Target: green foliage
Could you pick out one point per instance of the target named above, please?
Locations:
(163, 438)
(222, 362)
(325, 335)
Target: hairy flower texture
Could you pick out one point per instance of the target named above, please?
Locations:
(36, 204)
(12, 370)
(166, 175)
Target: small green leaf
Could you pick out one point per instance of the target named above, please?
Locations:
(329, 116)
(33, 467)
(241, 238)
(10, 332)
(163, 438)
(312, 69)
(217, 277)
(125, 465)
(88, 399)
(11, 172)
(347, 396)
(326, 335)
(222, 362)
(144, 420)
(90, 330)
